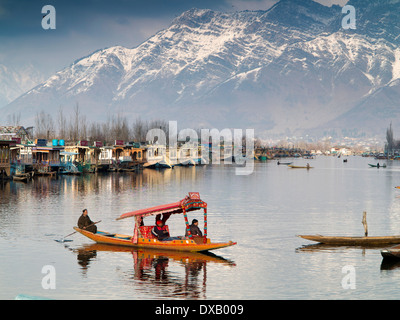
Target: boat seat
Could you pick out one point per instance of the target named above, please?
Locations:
(146, 231)
(199, 240)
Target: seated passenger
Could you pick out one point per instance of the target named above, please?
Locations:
(194, 229)
(160, 231)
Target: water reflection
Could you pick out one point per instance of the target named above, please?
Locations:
(154, 269)
(390, 264)
(42, 187)
(320, 247)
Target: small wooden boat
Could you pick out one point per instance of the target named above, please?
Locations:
(300, 167)
(24, 177)
(158, 164)
(143, 238)
(392, 253)
(353, 241)
(377, 165)
(284, 163)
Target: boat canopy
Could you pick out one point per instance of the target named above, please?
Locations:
(189, 203)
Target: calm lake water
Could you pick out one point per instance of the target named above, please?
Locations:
(263, 212)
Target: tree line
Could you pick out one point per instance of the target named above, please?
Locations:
(391, 144)
(76, 127)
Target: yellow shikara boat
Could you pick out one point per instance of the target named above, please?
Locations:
(143, 238)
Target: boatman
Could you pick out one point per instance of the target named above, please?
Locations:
(85, 223)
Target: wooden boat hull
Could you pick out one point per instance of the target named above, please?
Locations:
(353, 241)
(392, 253)
(24, 177)
(176, 245)
(299, 167)
(157, 165)
(376, 166)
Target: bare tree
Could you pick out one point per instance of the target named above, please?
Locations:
(61, 122)
(139, 130)
(44, 125)
(119, 128)
(14, 119)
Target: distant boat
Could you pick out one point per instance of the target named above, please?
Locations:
(381, 156)
(284, 163)
(377, 165)
(300, 167)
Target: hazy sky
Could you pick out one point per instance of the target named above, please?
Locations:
(85, 26)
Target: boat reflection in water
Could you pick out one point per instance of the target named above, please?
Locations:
(386, 264)
(157, 268)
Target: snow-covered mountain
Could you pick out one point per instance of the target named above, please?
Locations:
(14, 82)
(289, 69)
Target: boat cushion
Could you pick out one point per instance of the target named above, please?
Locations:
(146, 231)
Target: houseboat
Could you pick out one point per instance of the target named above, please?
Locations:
(46, 158)
(184, 155)
(156, 157)
(128, 156)
(6, 158)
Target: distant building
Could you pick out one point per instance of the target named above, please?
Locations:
(18, 134)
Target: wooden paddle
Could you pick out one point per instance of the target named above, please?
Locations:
(63, 239)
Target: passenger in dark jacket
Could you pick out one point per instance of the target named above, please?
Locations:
(85, 223)
(160, 231)
(194, 229)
